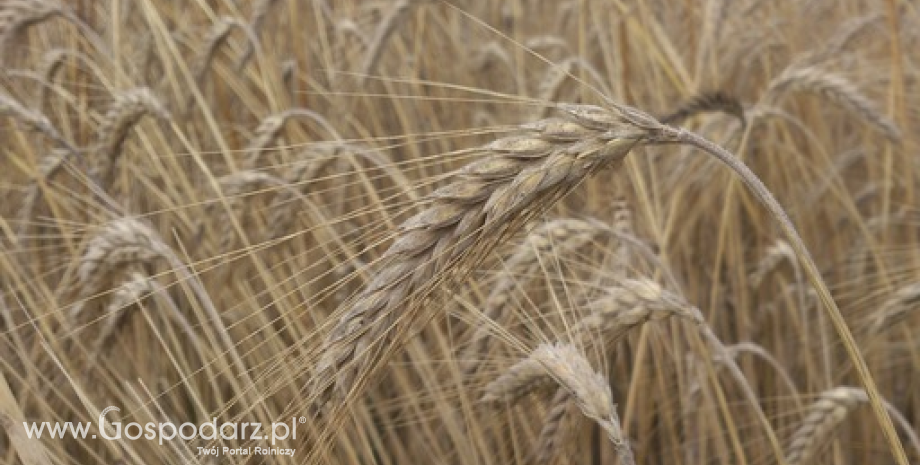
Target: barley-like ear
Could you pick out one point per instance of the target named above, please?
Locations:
(48, 166)
(117, 243)
(776, 254)
(823, 417)
(897, 308)
(707, 102)
(553, 439)
(846, 34)
(235, 188)
(521, 379)
(33, 120)
(385, 29)
(589, 391)
(270, 127)
(126, 111)
(488, 201)
(630, 304)
(130, 292)
(216, 37)
(16, 15)
(835, 88)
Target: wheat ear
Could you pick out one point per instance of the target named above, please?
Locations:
(126, 111)
(705, 103)
(835, 88)
(16, 15)
(630, 304)
(488, 201)
(117, 243)
(588, 390)
(33, 120)
(270, 127)
(385, 29)
(552, 440)
(897, 307)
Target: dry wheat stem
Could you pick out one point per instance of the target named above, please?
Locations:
(766, 198)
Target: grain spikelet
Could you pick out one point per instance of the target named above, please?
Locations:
(270, 127)
(589, 391)
(217, 36)
(31, 119)
(553, 439)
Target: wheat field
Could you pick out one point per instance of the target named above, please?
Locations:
(460, 231)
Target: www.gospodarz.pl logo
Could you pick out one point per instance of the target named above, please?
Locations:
(168, 431)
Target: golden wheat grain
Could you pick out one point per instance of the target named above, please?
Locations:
(270, 127)
(33, 120)
(589, 391)
(705, 103)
